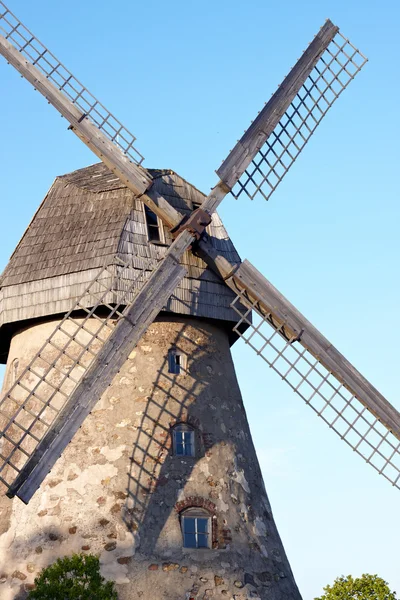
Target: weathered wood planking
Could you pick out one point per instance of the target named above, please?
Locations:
(142, 312)
(256, 135)
(215, 259)
(134, 177)
(137, 179)
(86, 218)
(259, 131)
(262, 291)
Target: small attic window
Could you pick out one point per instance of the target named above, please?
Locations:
(155, 232)
(176, 361)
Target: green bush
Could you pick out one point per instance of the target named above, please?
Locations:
(366, 587)
(74, 577)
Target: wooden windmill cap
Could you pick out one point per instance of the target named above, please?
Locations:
(86, 218)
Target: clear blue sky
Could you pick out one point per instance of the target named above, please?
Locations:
(187, 78)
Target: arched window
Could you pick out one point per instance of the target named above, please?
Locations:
(183, 440)
(196, 528)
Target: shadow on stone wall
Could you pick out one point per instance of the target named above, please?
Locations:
(207, 397)
(157, 478)
(38, 541)
(154, 479)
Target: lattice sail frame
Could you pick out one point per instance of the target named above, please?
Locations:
(30, 47)
(30, 406)
(318, 387)
(336, 68)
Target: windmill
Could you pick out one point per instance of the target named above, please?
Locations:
(50, 398)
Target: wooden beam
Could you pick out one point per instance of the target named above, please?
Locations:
(259, 131)
(162, 208)
(142, 312)
(215, 197)
(260, 290)
(214, 259)
(134, 177)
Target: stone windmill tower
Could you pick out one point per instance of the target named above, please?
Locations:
(157, 446)
(167, 447)
(120, 400)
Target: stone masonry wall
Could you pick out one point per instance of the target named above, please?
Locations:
(118, 491)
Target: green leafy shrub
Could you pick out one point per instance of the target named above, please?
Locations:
(366, 587)
(74, 577)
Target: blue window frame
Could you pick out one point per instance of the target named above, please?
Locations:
(176, 361)
(183, 440)
(196, 527)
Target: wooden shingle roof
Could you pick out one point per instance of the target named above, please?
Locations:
(88, 217)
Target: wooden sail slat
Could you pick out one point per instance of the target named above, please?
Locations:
(254, 138)
(136, 319)
(317, 371)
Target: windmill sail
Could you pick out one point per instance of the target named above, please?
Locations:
(139, 312)
(48, 438)
(317, 372)
(90, 120)
(53, 69)
(34, 416)
(272, 143)
(30, 407)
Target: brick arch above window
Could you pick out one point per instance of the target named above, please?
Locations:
(188, 419)
(196, 502)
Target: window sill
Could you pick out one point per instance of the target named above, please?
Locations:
(196, 551)
(158, 243)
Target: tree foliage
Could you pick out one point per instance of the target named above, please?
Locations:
(366, 587)
(74, 577)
